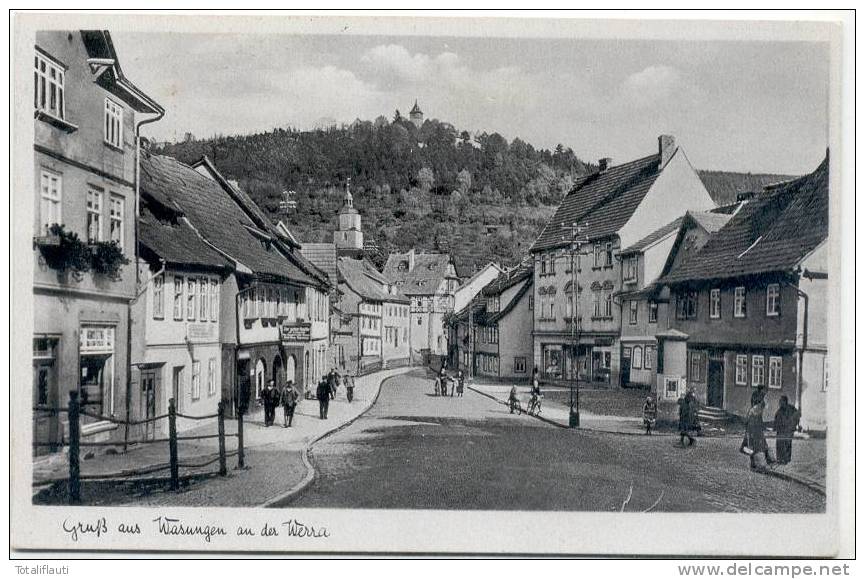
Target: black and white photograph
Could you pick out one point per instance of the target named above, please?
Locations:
(424, 284)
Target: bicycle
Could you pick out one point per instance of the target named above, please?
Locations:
(534, 405)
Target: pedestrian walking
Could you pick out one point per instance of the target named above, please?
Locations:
(685, 418)
(288, 401)
(444, 384)
(650, 413)
(786, 422)
(461, 379)
(453, 382)
(349, 387)
(333, 382)
(269, 399)
(323, 395)
(437, 385)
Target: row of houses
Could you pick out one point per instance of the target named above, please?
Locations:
(639, 279)
(157, 280)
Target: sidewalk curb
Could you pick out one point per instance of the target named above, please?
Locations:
(304, 454)
(503, 403)
(817, 488)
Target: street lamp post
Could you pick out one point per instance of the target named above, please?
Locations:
(576, 244)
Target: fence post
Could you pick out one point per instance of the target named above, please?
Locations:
(240, 461)
(172, 443)
(220, 411)
(74, 450)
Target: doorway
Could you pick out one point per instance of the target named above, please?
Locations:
(243, 386)
(626, 365)
(148, 403)
(177, 387)
(290, 368)
(715, 383)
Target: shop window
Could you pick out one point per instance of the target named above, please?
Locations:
(637, 358)
(96, 355)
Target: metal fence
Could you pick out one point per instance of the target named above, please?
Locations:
(75, 411)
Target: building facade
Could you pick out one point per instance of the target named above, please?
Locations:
(429, 280)
(274, 304)
(644, 301)
(85, 149)
(749, 308)
(577, 266)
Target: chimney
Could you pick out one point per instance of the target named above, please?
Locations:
(666, 148)
(604, 164)
(411, 259)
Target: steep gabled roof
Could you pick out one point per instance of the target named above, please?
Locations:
(217, 217)
(323, 256)
(364, 280)
(172, 239)
(603, 202)
(771, 233)
(509, 279)
(725, 186)
(430, 270)
(653, 237)
(493, 317)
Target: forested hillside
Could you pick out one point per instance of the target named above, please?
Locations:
(432, 188)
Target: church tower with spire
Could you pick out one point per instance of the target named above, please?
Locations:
(415, 115)
(349, 237)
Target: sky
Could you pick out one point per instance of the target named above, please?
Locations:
(732, 105)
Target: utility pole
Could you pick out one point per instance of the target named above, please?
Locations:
(576, 244)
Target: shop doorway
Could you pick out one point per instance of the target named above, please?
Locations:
(278, 372)
(243, 387)
(626, 365)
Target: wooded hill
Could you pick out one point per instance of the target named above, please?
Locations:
(430, 188)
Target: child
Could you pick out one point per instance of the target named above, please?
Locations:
(512, 399)
(650, 413)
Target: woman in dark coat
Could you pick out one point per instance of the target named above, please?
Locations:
(786, 422)
(686, 416)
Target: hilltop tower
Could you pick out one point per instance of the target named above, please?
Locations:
(349, 237)
(415, 115)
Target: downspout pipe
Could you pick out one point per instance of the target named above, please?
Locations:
(137, 180)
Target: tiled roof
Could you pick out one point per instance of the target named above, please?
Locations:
(176, 242)
(725, 186)
(771, 233)
(364, 280)
(509, 279)
(653, 237)
(708, 220)
(323, 256)
(430, 270)
(602, 203)
(217, 216)
(493, 317)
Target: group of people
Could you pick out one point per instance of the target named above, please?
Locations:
(534, 400)
(457, 383)
(272, 397)
(328, 387)
(754, 444)
(785, 424)
(288, 398)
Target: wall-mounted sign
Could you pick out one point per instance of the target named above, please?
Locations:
(200, 331)
(294, 332)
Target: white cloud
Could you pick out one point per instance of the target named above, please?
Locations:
(655, 86)
(395, 60)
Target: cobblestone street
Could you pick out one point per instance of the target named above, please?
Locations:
(416, 450)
